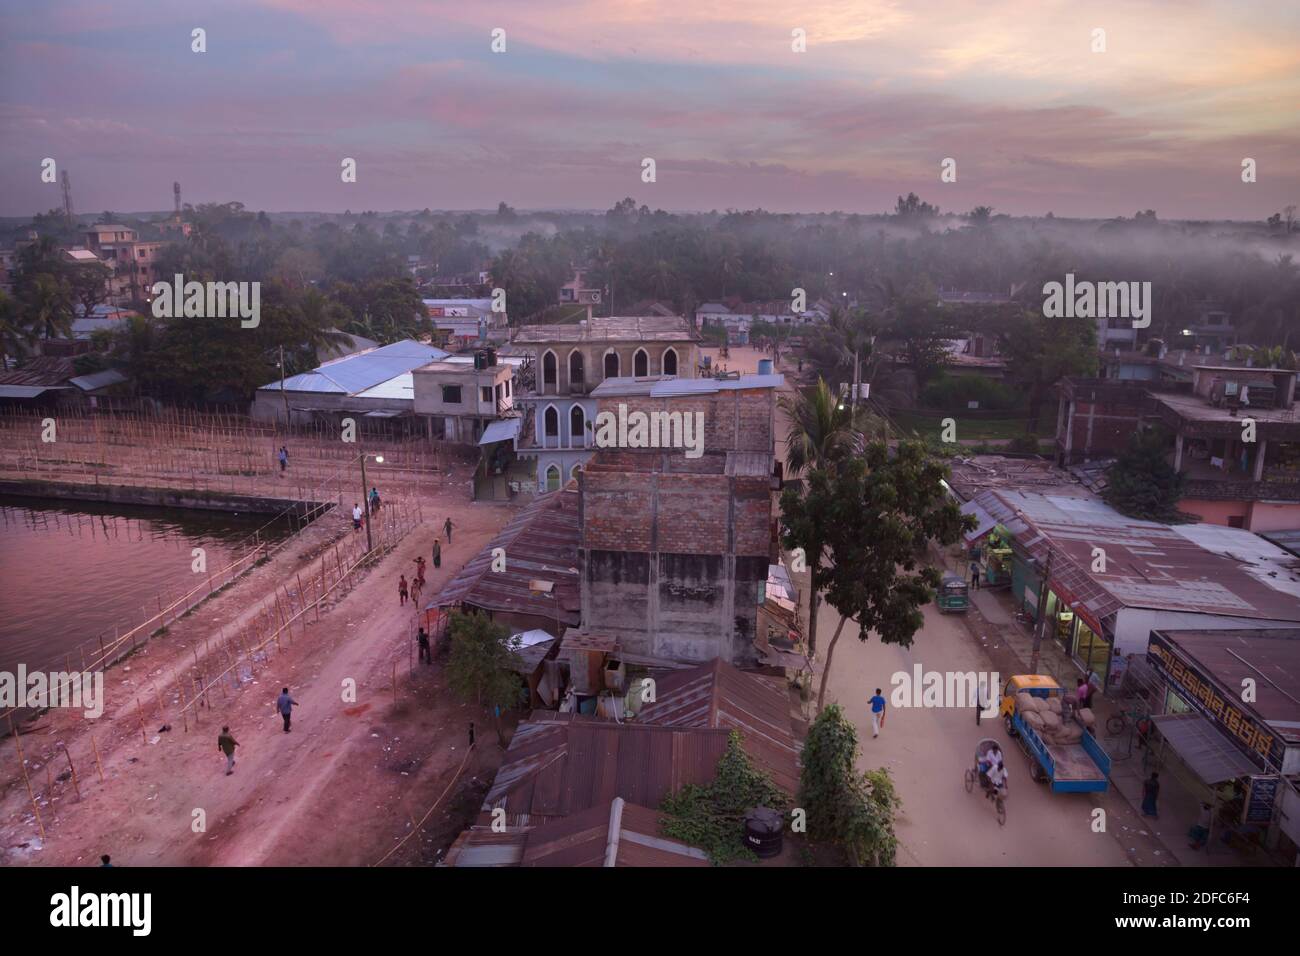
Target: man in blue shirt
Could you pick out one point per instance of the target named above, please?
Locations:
(285, 704)
(877, 713)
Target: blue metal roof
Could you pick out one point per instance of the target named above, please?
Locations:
(356, 373)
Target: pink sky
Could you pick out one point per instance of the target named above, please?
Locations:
(714, 92)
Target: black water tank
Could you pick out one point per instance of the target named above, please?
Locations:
(480, 360)
(763, 832)
(491, 357)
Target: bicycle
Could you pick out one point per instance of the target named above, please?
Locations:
(1117, 722)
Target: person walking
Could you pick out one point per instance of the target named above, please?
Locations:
(285, 705)
(1150, 792)
(447, 526)
(420, 565)
(106, 860)
(877, 713)
(402, 589)
(374, 498)
(975, 575)
(356, 516)
(227, 743)
(426, 656)
(417, 585)
(437, 553)
(284, 459)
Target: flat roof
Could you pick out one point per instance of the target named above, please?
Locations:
(660, 387)
(1193, 568)
(1198, 408)
(618, 328)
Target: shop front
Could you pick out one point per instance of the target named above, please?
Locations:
(1079, 634)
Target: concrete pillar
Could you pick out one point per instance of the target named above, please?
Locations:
(1178, 453)
(1259, 460)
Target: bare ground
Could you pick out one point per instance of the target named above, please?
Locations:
(344, 788)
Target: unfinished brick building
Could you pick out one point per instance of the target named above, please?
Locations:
(675, 549)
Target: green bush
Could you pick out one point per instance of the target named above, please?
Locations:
(954, 392)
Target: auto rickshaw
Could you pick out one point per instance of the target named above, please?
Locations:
(952, 594)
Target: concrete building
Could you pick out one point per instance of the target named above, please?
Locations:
(460, 399)
(133, 261)
(465, 323)
(569, 361)
(676, 550)
(1113, 580)
(1236, 435)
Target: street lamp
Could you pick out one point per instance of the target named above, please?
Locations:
(365, 496)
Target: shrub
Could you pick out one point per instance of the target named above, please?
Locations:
(957, 391)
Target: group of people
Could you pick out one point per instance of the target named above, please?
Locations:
(372, 505)
(226, 742)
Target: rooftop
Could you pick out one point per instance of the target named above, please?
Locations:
(542, 542)
(1270, 658)
(978, 473)
(626, 328)
(356, 373)
(1198, 408)
(1197, 569)
(661, 387)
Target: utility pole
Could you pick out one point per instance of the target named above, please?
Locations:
(370, 545)
(1040, 617)
(284, 395)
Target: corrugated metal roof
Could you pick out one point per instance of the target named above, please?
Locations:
(26, 391)
(1205, 569)
(584, 838)
(561, 764)
(504, 430)
(1203, 748)
(47, 370)
(88, 383)
(356, 373)
(400, 386)
(717, 695)
(541, 543)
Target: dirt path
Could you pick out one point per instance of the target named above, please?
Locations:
(343, 788)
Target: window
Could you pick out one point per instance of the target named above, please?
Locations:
(575, 368)
(548, 368)
(553, 478)
(641, 363)
(573, 472)
(486, 393)
(451, 395)
(670, 362)
(611, 365)
(551, 422)
(577, 420)
(501, 393)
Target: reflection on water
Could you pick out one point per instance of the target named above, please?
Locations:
(70, 573)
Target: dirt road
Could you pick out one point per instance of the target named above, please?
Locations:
(349, 781)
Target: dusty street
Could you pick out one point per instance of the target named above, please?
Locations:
(351, 779)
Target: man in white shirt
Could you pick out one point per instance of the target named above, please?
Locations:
(356, 517)
(998, 779)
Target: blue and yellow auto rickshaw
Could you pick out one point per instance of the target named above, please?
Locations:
(953, 594)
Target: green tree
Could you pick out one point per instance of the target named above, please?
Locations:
(852, 811)
(484, 663)
(1041, 350)
(15, 334)
(712, 817)
(819, 435)
(875, 516)
(1142, 483)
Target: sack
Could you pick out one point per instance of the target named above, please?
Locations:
(1086, 718)
(1025, 702)
(1054, 704)
(1033, 719)
(1069, 734)
(1050, 720)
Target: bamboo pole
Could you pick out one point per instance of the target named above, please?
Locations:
(75, 785)
(98, 763)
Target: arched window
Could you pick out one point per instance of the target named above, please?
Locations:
(611, 364)
(577, 429)
(548, 369)
(641, 363)
(553, 478)
(573, 472)
(575, 369)
(670, 361)
(551, 422)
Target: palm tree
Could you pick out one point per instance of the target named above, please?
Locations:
(819, 435)
(49, 306)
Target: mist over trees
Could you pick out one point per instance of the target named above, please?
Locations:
(353, 272)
